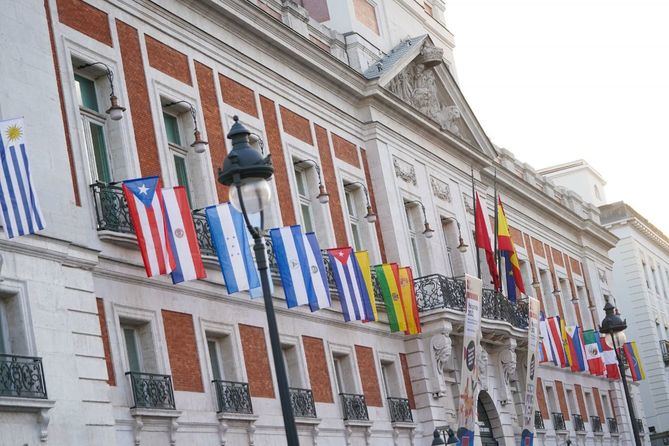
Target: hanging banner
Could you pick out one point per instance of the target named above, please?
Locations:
(467, 415)
(527, 437)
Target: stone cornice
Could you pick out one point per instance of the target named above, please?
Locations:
(48, 248)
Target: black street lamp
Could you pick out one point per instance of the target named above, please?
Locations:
(613, 327)
(438, 441)
(247, 171)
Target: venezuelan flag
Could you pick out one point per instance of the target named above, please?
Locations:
(514, 278)
(363, 261)
(408, 296)
(634, 361)
(388, 277)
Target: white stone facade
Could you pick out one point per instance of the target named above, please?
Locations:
(421, 142)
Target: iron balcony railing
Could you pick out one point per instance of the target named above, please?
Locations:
(151, 391)
(538, 420)
(664, 347)
(558, 421)
(596, 423)
(579, 425)
(400, 411)
(302, 401)
(613, 425)
(354, 407)
(203, 235)
(639, 423)
(437, 291)
(22, 377)
(233, 397)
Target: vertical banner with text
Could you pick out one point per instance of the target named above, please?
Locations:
(527, 437)
(467, 414)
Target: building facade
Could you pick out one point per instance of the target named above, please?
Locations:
(357, 93)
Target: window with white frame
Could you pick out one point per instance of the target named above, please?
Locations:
(547, 292)
(304, 196)
(391, 379)
(222, 357)
(343, 370)
(550, 395)
(583, 305)
(178, 148)
(454, 258)
(291, 358)
(139, 346)
(565, 294)
(413, 218)
(13, 328)
(356, 221)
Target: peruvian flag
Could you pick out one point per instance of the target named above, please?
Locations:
(483, 241)
(145, 203)
(593, 352)
(182, 237)
(610, 360)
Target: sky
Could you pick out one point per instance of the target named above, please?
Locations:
(555, 81)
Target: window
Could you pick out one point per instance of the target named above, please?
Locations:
(547, 292)
(391, 382)
(413, 239)
(343, 368)
(583, 304)
(94, 130)
(215, 359)
(291, 359)
(598, 194)
(570, 400)
(139, 346)
(550, 394)
(132, 349)
(304, 198)
(607, 408)
(454, 259)
(178, 151)
(589, 404)
(354, 218)
(565, 294)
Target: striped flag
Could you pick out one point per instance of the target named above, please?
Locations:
(408, 296)
(145, 203)
(181, 233)
(350, 284)
(610, 360)
(547, 344)
(363, 260)
(593, 350)
(231, 242)
(634, 361)
(21, 212)
(388, 277)
(576, 349)
(319, 278)
(555, 338)
(514, 279)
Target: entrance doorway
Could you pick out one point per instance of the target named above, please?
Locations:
(485, 429)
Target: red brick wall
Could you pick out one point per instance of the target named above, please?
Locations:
(538, 247)
(541, 400)
(85, 18)
(319, 378)
(66, 125)
(331, 184)
(238, 96)
(256, 361)
(407, 380)
(562, 400)
(168, 60)
(613, 406)
(582, 411)
(182, 351)
(212, 121)
(279, 160)
(368, 377)
(557, 257)
(105, 342)
(138, 96)
(318, 9)
(345, 150)
(372, 199)
(296, 125)
(516, 236)
(598, 403)
(575, 266)
(554, 280)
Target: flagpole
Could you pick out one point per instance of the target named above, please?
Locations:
(478, 253)
(498, 259)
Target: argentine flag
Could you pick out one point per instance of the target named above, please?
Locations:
(301, 267)
(21, 212)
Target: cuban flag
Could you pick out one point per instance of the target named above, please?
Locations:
(350, 284)
(21, 212)
(146, 206)
(301, 267)
(181, 233)
(231, 242)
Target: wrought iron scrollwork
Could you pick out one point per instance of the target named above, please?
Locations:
(558, 422)
(151, 391)
(354, 406)
(538, 420)
(437, 291)
(302, 401)
(613, 425)
(111, 209)
(596, 423)
(233, 397)
(400, 411)
(203, 234)
(22, 377)
(579, 425)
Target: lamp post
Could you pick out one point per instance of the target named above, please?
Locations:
(115, 111)
(613, 327)
(246, 171)
(438, 440)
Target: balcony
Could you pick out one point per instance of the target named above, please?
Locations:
(151, 391)
(538, 420)
(596, 424)
(664, 348)
(558, 422)
(354, 407)
(400, 412)
(302, 401)
(22, 377)
(579, 425)
(437, 291)
(233, 397)
(613, 425)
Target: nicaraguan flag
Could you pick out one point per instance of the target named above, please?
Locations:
(182, 237)
(350, 285)
(230, 240)
(21, 213)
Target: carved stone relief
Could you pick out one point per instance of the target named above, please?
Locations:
(440, 189)
(507, 359)
(482, 364)
(405, 171)
(441, 348)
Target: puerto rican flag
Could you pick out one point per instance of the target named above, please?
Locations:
(182, 237)
(145, 203)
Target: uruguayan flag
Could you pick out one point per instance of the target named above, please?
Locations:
(20, 209)
(230, 239)
(302, 271)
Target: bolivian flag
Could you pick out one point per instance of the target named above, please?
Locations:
(365, 268)
(408, 296)
(389, 282)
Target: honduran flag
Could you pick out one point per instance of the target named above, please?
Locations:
(576, 350)
(350, 284)
(593, 352)
(555, 338)
(547, 348)
(634, 361)
(145, 203)
(610, 360)
(231, 242)
(302, 276)
(181, 234)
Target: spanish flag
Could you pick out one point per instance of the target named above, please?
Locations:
(513, 276)
(365, 268)
(408, 296)
(389, 282)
